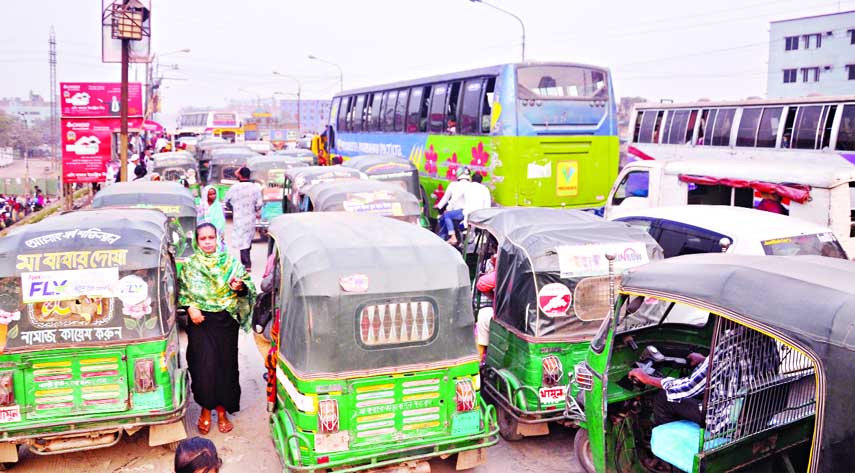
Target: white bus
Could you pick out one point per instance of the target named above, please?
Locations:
(223, 124)
(744, 129)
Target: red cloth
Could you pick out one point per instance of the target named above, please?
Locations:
(487, 283)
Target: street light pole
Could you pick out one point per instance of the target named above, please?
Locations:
(507, 13)
(340, 72)
(299, 89)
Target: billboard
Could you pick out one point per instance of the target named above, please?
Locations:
(86, 148)
(99, 99)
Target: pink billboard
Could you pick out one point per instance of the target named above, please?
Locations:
(99, 99)
(85, 150)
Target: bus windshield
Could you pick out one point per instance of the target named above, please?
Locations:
(561, 82)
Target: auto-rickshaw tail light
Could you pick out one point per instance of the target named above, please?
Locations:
(584, 378)
(7, 389)
(552, 370)
(328, 416)
(465, 395)
(144, 375)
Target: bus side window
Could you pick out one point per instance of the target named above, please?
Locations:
(414, 110)
(846, 134)
(469, 111)
(358, 113)
(648, 119)
(423, 109)
(825, 137)
(852, 209)
(487, 105)
(634, 184)
(637, 131)
(437, 109)
(789, 124)
(806, 125)
(342, 113)
(389, 110)
(401, 109)
(451, 116)
(378, 111)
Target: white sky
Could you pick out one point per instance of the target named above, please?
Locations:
(682, 50)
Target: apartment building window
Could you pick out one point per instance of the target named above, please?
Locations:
(789, 76)
(791, 43)
(851, 36)
(810, 72)
(816, 36)
(851, 69)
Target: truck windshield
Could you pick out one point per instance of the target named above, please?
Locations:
(561, 82)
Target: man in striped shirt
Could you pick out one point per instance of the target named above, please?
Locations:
(680, 398)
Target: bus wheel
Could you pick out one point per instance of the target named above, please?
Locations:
(582, 449)
(508, 426)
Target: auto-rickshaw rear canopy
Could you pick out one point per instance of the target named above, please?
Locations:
(110, 264)
(349, 280)
(363, 196)
(805, 301)
(171, 198)
(387, 168)
(182, 159)
(225, 163)
(500, 221)
(552, 277)
(304, 155)
(260, 166)
(302, 177)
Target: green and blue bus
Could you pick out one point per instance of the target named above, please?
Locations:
(542, 134)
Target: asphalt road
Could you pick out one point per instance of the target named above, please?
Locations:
(248, 447)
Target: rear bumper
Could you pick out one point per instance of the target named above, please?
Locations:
(506, 396)
(73, 427)
(405, 453)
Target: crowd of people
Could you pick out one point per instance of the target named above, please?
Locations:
(16, 207)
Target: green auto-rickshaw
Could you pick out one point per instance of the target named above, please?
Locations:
(376, 365)
(304, 155)
(223, 168)
(392, 169)
(767, 343)
(205, 151)
(171, 198)
(269, 173)
(177, 166)
(549, 295)
(298, 179)
(89, 347)
(364, 196)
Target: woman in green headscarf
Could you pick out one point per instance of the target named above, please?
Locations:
(218, 294)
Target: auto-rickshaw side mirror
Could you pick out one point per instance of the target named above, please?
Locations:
(725, 243)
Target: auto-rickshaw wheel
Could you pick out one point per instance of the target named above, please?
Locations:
(7, 466)
(582, 449)
(508, 426)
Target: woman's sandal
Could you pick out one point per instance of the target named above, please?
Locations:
(224, 425)
(203, 425)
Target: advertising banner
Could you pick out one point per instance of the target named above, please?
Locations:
(86, 149)
(99, 99)
(590, 260)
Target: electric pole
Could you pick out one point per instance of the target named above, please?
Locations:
(54, 116)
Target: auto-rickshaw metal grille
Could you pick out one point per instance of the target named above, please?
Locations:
(397, 323)
(755, 383)
(591, 300)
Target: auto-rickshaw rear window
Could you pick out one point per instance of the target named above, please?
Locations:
(821, 244)
(396, 323)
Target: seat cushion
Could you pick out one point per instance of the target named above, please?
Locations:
(676, 443)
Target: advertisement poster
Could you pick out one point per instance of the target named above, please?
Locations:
(99, 99)
(47, 286)
(85, 150)
(590, 260)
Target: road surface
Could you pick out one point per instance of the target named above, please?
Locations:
(248, 448)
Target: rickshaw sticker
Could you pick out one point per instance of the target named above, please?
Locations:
(131, 290)
(47, 286)
(72, 260)
(590, 260)
(567, 179)
(354, 283)
(171, 210)
(90, 234)
(7, 318)
(71, 335)
(554, 299)
(80, 312)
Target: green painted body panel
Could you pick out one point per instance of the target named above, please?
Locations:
(68, 390)
(523, 360)
(537, 171)
(412, 411)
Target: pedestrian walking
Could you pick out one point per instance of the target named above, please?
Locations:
(197, 455)
(245, 200)
(219, 295)
(211, 211)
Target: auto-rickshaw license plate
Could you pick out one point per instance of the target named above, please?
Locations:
(552, 395)
(10, 414)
